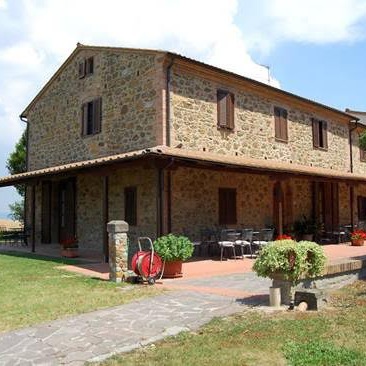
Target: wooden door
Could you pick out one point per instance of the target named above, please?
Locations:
(326, 205)
(46, 212)
(278, 208)
(67, 209)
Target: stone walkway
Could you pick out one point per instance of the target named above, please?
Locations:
(97, 335)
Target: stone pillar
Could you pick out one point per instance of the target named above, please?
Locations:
(118, 250)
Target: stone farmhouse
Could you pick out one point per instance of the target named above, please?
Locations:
(170, 144)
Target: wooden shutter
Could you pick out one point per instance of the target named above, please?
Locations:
(362, 154)
(84, 119)
(277, 117)
(89, 66)
(227, 206)
(284, 124)
(97, 115)
(280, 116)
(46, 212)
(131, 205)
(81, 69)
(230, 110)
(221, 109)
(361, 206)
(324, 132)
(315, 123)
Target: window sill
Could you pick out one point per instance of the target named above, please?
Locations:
(283, 141)
(320, 148)
(90, 135)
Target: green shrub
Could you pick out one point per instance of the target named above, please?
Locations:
(290, 259)
(171, 247)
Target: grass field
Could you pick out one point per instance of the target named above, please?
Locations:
(33, 290)
(332, 337)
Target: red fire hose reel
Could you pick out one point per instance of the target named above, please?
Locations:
(147, 264)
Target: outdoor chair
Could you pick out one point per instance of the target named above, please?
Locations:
(245, 241)
(208, 239)
(228, 238)
(265, 236)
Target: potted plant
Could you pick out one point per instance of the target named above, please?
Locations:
(305, 229)
(287, 261)
(173, 250)
(69, 248)
(358, 237)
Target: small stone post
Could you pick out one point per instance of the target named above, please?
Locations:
(118, 250)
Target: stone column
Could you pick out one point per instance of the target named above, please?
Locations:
(118, 250)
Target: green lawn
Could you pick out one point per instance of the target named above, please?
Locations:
(33, 289)
(331, 337)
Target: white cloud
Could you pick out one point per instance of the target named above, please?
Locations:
(318, 21)
(194, 28)
(22, 54)
(266, 23)
(3, 4)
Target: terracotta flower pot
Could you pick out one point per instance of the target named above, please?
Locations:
(357, 242)
(173, 269)
(70, 252)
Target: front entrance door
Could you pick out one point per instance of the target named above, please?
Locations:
(67, 209)
(282, 206)
(326, 205)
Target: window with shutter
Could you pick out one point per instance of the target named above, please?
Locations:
(280, 116)
(81, 69)
(227, 206)
(91, 119)
(320, 133)
(131, 205)
(89, 66)
(225, 109)
(362, 154)
(361, 203)
(86, 67)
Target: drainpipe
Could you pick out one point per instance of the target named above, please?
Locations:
(167, 102)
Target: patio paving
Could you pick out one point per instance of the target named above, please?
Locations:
(97, 335)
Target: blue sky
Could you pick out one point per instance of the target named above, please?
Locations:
(316, 49)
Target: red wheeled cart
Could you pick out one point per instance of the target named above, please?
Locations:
(147, 264)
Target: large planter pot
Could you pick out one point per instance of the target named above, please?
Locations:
(357, 242)
(70, 252)
(173, 269)
(308, 237)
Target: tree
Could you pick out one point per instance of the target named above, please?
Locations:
(16, 164)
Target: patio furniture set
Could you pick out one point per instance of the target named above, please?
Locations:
(227, 242)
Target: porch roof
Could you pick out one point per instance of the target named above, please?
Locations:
(203, 158)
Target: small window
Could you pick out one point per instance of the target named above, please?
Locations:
(280, 116)
(227, 206)
(86, 67)
(131, 205)
(225, 109)
(361, 201)
(362, 154)
(89, 66)
(320, 137)
(92, 117)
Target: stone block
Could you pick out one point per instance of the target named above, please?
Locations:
(315, 298)
(117, 226)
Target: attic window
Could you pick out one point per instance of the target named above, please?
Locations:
(86, 67)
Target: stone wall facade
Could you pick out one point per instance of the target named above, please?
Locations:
(128, 83)
(194, 124)
(195, 203)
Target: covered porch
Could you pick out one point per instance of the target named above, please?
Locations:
(162, 190)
